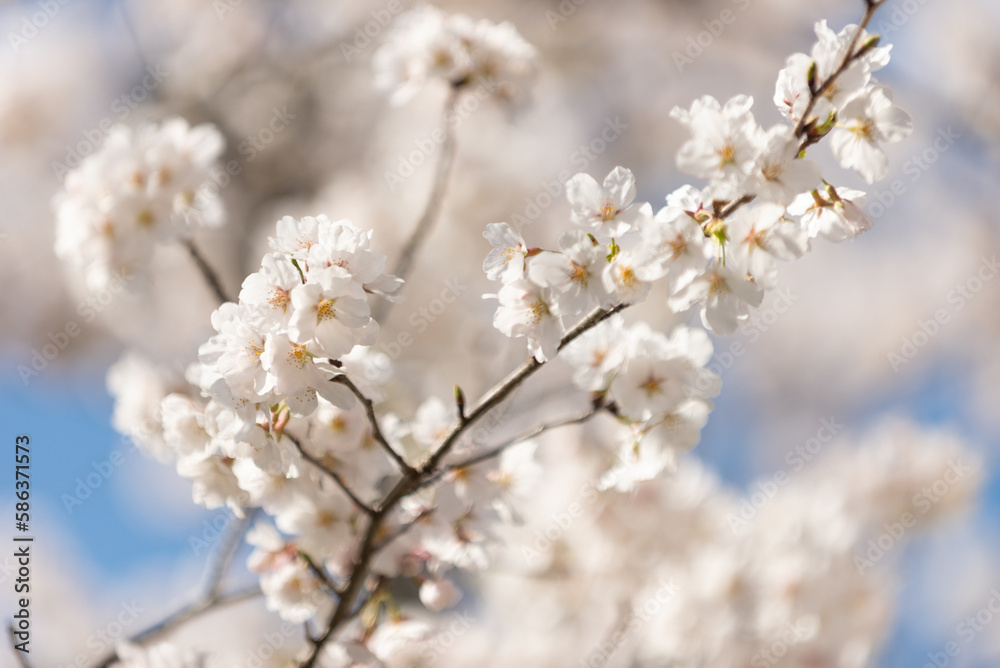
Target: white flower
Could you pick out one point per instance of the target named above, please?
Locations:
(439, 594)
(214, 483)
(295, 237)
(295, 376)
(779, 174)
(863, 122)
(433, 421)
(331, 312)
(341, 244)
(621, 279)
(234, 354)
(426, 43)
(597, 354)
(724, 143)
(835, 215)
(506, 260)
(518, 475)
(290, 588)
(187, 429)
(574, 273)
(267, 292)
(606, 210)
(319, 521)
(759, 234)
(138, 189)
(650, 383)
(724, 296)
(529, 310)
(673, 246)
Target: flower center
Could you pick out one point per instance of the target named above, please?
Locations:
(279, 299)
(298, 356)
(325, 310)
(727, 154)
(717, 285)
(609, 209)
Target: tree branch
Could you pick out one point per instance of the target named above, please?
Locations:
(184, 615)
(219, 566)
(871, 6)
(22, 659)
(373, 420)
(499, 449)
(210, 276)
(412, 480)
(336, 477)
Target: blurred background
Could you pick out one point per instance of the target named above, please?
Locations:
(857, 334)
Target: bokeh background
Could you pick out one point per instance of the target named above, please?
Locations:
(137, 543)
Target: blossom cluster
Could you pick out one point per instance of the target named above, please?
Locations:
(740, 578)
(426, 44)
(716, 247)
(142, 187)
(279, 411)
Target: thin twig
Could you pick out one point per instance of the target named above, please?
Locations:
(336, 477)
(399, 531)
(871, 6)
(184, 615)
(433, 207)
(218, 567)
(373, 421)
(22, 659)
(499, 449)
(319, 573)
(412, 480)
(210, 276)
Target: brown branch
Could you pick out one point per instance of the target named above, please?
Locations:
(412, 480)
(373, 421)
(211, 277)
(850, 55)
(499, 449)
(184, 615)
(333, 475)
(22, 659)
